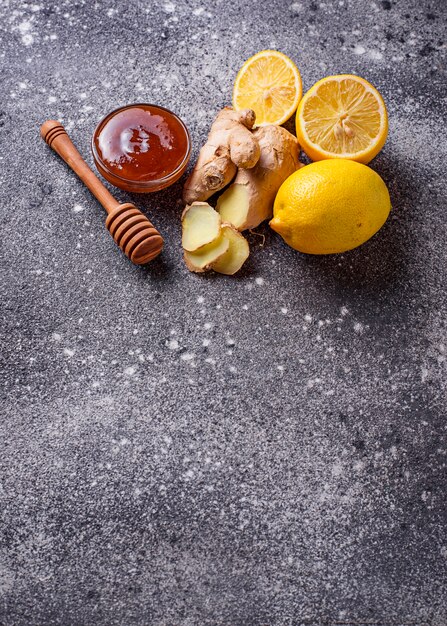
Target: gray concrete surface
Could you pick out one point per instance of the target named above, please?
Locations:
(182, 450)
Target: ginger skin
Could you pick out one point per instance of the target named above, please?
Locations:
(230, 145)
(249, 200)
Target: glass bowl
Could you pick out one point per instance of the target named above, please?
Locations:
(115, 127)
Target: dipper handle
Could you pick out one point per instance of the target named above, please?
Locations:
(130, 228)
(55, 135)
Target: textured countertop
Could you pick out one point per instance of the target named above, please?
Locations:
(178, 450)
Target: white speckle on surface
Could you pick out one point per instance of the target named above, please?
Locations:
(284, 310)
(296, 8)
(337, 469)
(359, 50)
(187, 356)
(173, 344)
(27, 39)
(24, 29)
(57, 336)
(375, 55)
(78, 208)
(259, 281)
(169, 7)
(68, 352)
(52, 99)
(130, 371)
(308, 318)
(200, 300)
(206, 343)
(207, 326)
(199, 11)
(424, 374)
(245, 307)
(344, 311)
(358, 328)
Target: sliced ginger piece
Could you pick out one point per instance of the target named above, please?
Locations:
(201, 259)
(235, 256)
(201, 226)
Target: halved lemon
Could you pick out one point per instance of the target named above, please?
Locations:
(342, 117)
(270, 84)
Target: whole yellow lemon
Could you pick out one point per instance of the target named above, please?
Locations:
(330, 206)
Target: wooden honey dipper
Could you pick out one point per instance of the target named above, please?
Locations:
(132, 231)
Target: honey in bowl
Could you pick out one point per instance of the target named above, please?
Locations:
(141, 147)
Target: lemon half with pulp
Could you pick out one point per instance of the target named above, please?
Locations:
(342, 117)
(270, 84)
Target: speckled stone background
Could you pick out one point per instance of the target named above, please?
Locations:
(178, 450)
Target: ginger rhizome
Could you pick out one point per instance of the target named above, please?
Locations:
(222, 249)
(249, 200)
(230, 145)
(237, 253)
(200, 226)
(256, 163)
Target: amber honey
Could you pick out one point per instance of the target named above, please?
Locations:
(141, 147)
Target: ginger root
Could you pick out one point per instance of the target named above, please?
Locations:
(230, 145)
(235, 256)
(200, 226)
(209, 244)
(249, 200)
(202, 259)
